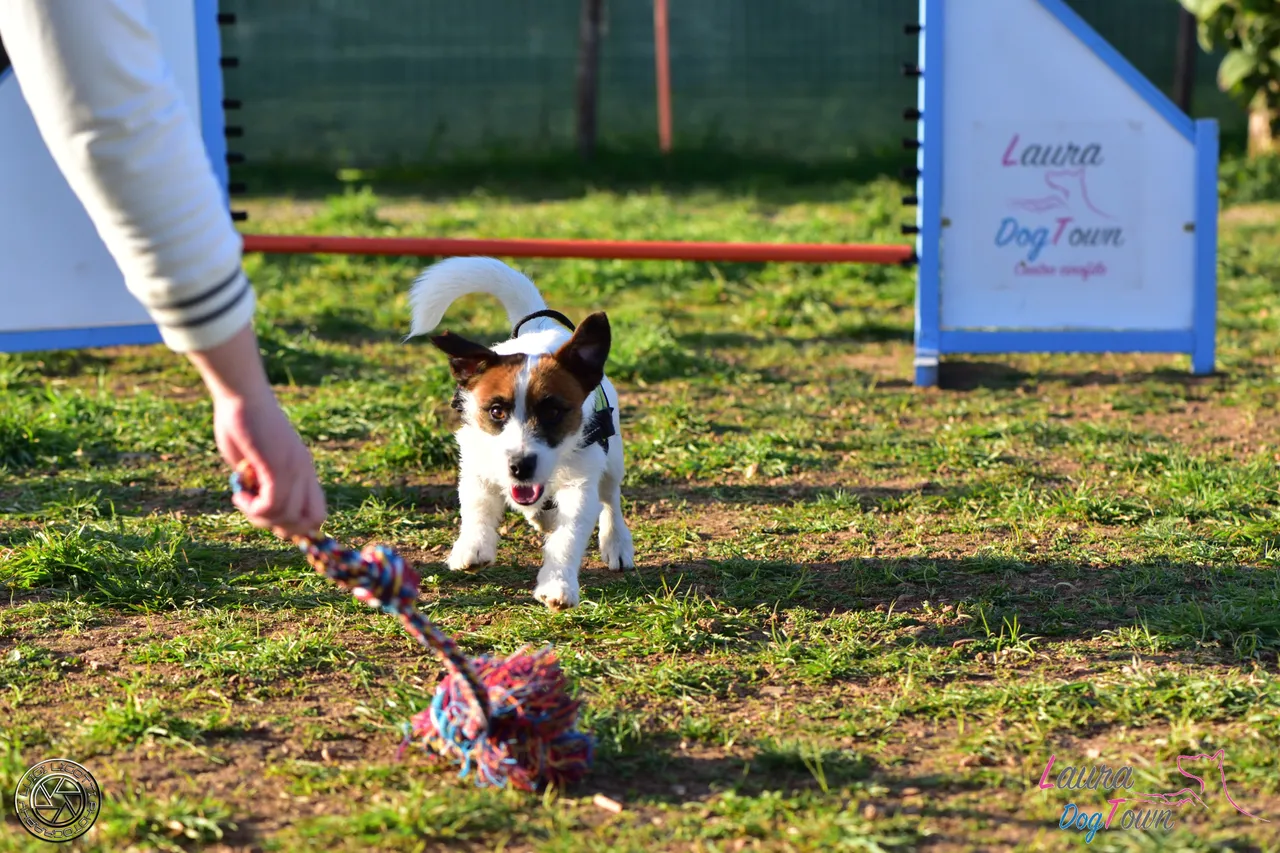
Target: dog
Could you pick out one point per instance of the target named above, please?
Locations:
(539, 429)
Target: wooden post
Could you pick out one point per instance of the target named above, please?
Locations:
(588, 75)
(1184, 72)
(662, 60)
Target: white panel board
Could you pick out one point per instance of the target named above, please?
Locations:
(1066, 197)
(54, 270)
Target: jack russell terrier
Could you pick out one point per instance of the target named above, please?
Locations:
(539, 429)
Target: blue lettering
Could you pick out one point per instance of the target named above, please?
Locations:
(1094, 825)
(1074, 818)
(1008, 230)
(1011, 232)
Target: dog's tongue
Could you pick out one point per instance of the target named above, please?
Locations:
(526, 494)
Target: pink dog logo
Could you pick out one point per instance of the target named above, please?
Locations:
(1144, 811)
(1069, 187)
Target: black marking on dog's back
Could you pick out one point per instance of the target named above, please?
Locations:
(599, 428)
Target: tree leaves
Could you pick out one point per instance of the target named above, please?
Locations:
(1249, 30)
(1236, 67)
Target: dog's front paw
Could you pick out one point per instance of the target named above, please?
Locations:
(472, 552)
(617, 549)
(557, 595)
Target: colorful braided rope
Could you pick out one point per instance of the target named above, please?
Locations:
(511, 719)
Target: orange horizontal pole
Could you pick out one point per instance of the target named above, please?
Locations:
(659, 250)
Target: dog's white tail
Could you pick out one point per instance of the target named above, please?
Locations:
(441, 284)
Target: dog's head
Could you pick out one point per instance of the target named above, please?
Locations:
(527, 411)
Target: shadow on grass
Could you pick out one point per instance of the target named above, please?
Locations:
(47, 364)
(304, 359)
(1055, 597)
(643, 770)
(1011, 599)
(152, 573)
(1008, 604)
(868, 333)
(657, 770)
(144, 497)
(556, 176)
(990, 375)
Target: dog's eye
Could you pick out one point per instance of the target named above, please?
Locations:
(550, 412)
(498, 413)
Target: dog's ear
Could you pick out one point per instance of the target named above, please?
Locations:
(584, 354)
(467, 359)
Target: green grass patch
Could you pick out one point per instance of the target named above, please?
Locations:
(864, 617)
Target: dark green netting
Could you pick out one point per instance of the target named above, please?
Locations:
(384, 82)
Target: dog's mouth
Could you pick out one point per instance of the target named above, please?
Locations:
(526, 495)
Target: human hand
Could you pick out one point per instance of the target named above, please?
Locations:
(288, 499)
(249, 425)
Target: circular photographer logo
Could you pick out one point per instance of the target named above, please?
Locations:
(57, 800)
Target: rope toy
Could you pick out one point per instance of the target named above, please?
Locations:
(511, 719)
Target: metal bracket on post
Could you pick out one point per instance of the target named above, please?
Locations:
(232, 131)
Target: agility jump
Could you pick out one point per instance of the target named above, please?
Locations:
(1055, 212)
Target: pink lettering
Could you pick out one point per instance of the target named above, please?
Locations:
(1086, 271)
(1008, 156)
(1063, 222)
(1044, 777)
(1115, 804)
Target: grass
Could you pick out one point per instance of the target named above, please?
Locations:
(865, 616)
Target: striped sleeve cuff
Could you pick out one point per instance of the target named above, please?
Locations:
(206, 319)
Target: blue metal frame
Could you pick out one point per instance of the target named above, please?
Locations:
(1122, 67)
(1205, 314)
(209, 67)
(932, 340)
(929, 191)
(1083, 340)
(58, 339)
(212, 129)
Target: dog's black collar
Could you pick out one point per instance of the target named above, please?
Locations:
(546, 312)
(600, 425)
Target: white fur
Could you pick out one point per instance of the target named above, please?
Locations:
(585, 483)
(440, 285)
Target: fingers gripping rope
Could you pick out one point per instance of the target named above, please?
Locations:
(513, 719)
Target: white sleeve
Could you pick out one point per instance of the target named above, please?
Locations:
(111, 114)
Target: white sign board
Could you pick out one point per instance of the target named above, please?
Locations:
(61, 287)
(1066, 203)
(1061, 210)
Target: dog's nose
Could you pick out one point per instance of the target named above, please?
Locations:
(522, 467)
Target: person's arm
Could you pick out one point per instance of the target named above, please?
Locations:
(111, 114)
(249, 424)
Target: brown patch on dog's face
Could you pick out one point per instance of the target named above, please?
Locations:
(489, 377)
(555, 388)
(554, 402)
(494, 392)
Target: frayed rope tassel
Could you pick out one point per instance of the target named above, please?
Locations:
(510, 719)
